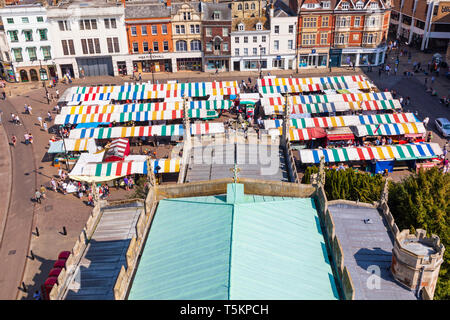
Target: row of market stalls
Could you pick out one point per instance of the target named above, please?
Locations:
(103, 117)
(345, 120)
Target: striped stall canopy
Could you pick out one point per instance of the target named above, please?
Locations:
(166, 165)
(267, 82)
(99, 89)
(211, 104)
(80, 145)
(115, 169)
(207, 128)
(122, 108)
(82, 97)
(133, 116)
(388, 152)
(128, 132)
(295, 134)
(313, 87)
(390, 129)
(118, 147)
(335, 107)
(343, 121)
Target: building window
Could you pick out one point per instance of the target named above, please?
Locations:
(241, 27)
(225, 46)
(326, 4)
(359, 5)
(309, 22)
(113, 23)
(46, 53)
(25, 20)
(253, 6)
(109, 23)
(135, 47)
(197, 28)
(341, 39)
(263, 38)
(236, 51)
(84, 46)
(373, 22)
(17, 54)
(259, 26)
(196, 45)
(255, 39)
(255, 51)
(245, 51)
(343, 22)
(245, 39)
(155, 46)
(208, 32)
(217, 44)
(357, 22)
(310, 6)
(88, 24)
(374, 5)
(145, 46)
(68, 47)
(290, 44)
(323, 38)
(164, 29)
(32, 53)
(10, 20)
(325, 21)
(216, 15)
(113, 44)
(13, 35)
(277, 29)
(144, 30)
(64, 25)
(369, 38)
(166, 45)
(345, 6)
(28, 35)
(246, 6)
(181, 45)
(154, 30)
(43, 34)
(225, 32)
(291, 29)
(40, 19)
(186, 15)
(263, 50)
(308, 39)
(276, 45)
(239, 7)
(208, 46)
(180, 29)
(133, 31)
(236, 40)
(97, 45)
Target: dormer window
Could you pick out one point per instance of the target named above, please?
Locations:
(310, 6)
(345, 6)
(326, 4)
(216, 15)
(359, 5)
(259, 26)
(241, 27)
(374, 5)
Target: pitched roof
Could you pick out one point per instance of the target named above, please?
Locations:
(209, 8)
(134, 11)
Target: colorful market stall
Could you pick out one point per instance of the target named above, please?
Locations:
(117, 150)
(129, 132)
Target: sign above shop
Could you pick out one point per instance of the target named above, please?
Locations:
(151, 57)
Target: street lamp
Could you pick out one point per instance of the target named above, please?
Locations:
(260, 62)
(43, 82)
(151, 65)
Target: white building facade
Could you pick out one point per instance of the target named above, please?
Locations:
(89, 39)
(282, 42)
(30, 50)
(249, 48)
(6, 68)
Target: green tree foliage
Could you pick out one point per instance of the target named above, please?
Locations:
(422, 201)
(349, 184)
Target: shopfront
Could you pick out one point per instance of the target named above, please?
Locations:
(7, 72)
(190, 64)
(122, 68)
(254, 64)
(158, 65)
(362, 57)
(313, 59)
(217, 64)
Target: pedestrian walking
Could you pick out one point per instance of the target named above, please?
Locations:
(26, 138)
(432, 79)
(57, 94)
(140, 77)
(430, 136)
(60, 172)
(446, 165)
(353, 65)
(13, 140)
(49, 116)
(30, 109)
(53, 183)
(40, 121)
(30, 138)
(45, 126)
(38, 196)
(42, 191)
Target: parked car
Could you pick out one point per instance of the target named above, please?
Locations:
(443, 126)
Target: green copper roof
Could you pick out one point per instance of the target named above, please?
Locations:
(234, 247)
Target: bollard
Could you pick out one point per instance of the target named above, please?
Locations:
(64, 231)
(31, 255)
(37, 232)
